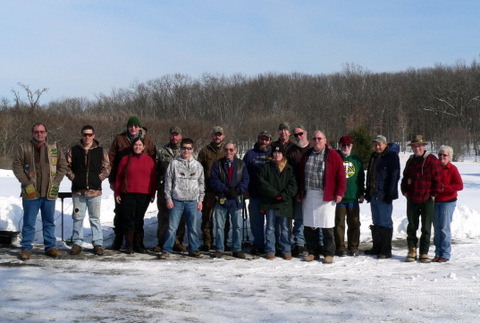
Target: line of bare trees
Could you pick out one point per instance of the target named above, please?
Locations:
(442, 103)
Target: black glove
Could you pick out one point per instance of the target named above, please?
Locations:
(231, 193)
(388, 199)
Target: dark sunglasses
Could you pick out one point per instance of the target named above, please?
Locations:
(298, 134)
(87, 134)
(187, 148)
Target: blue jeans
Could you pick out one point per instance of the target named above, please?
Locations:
(277, 226)
(441, 225)
(30, 212)
(220, 215)
(191, 215)
(257, 223)
(381, 213)
(297, 230)
(80, 205)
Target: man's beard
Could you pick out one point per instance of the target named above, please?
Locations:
(302, 143)
(264, 148)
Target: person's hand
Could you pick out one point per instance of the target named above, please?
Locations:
(170, 205)
(338, 199)
(118, 199)
(231, 193)
(200, 206)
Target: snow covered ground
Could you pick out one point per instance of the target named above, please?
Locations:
(140, 288)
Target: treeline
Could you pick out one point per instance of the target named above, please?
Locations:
(442, 103)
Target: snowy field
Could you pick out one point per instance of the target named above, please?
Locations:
(142, 288)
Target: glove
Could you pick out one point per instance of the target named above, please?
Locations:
(231, 193)
(388, 199)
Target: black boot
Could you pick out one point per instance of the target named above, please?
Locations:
(376, 241)
(129, 242)
(117, 243)
(386, 243)
(138, 243)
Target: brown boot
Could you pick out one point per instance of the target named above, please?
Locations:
(412, 254)
(178, 246)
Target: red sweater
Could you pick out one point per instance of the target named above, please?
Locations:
(140, 177)
(452, 183)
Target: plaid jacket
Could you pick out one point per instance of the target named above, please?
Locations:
(422, 178)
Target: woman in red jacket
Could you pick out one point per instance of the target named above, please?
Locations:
(135, 187)
(445, 203)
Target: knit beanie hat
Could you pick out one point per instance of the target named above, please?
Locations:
(133, 121)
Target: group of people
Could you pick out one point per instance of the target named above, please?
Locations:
(300, 193)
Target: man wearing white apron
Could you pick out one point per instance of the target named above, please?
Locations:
(323, 184)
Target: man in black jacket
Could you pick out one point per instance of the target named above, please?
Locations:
(88, 166)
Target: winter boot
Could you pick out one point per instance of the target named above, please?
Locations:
(376, 241)
(412, 254)
(138, 243)
(129, 236)
(386, 243)
(117, 243)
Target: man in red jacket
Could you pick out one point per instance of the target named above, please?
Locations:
(422, 181)
(322, 185)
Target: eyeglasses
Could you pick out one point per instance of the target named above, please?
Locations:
(187, 148)
(87, 134)
(39, 132)
(442, 155)
(229, 150)
(317, 138)
(298, 134)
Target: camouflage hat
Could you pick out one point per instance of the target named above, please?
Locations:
(265, 133)
(284, 126)
(176, 129)
(217, 129)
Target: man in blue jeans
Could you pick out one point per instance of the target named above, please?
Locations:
(88, 166)
(39, 167)
(184, 192)
(229, 180)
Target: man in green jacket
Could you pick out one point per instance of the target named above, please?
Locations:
(349, 204)
(39, 167)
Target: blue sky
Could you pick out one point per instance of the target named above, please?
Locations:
(87, 47)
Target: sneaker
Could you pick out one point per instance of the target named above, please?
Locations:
(54, 253)
(194, 254)
(218, 254)
(341, 253)
(239, 254)
(205, 247)
(297, 250)
(179, 247)
(352, 253)
(270, 256)
(328, 260)
(25, 255)
(76, 249)
(287, 256)
(310, 257)
(157, 249)
(98, 250)
(164, 255)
